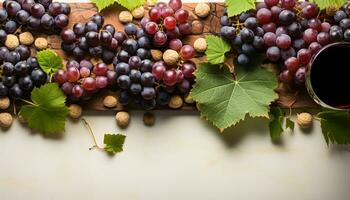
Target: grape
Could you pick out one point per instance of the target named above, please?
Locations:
(283, 41)
(39, 77)
(228, 32)
(61, 20)
(180, 76)
(60, 76)
(143, 42)
(89, 84)
(135, 62)
(185, 28)
(73, 74)
(187, 52)
(247, 35)
(299, 44)
(147, 79)
(143, 53)
(68, 36)
(166, 12)
(275, 12)
(130, 45)
(3, 15)
(65, 8)
(347, 35)
(286, 77)
(294, 30)
(144, 21)
(67, 88)
(77, 91)
(271, 3)
(304, 56)
(269, 27)
(170, 77)
(263, 16)
(124, 98)
(7, 69)
(181, 15)
(12, 57)
(286, 17)
(160, 38)
(169, 23)
(111, 77)
(96, 51)
(16, 92)
(23, 51)
(310, 35)
(154, 14)
(310, 10)
(3, 52)
(123, 56)
(188, 69)
(148, 104)
(315, 24)
(336, 35)
(98, 20)
(173, 33)
(244, 16)
(92, 38)
(345, 24)
(288, 4)
(9, 81)
(105, 37)
(148, 93)
(339, 15)
(141, 33)
(146, 65)
(248, 49)
(175, 44)
(26, 83)
(47, 21)
(258, 43)
(124, 82)
(37, 10)
(113, 45)
(292, 64)
(33, 23)
(82, 44)
(10, 27)
(3, 90)
(55, 8)
(273, 53)
(270, 39)
(100, 69)
(251, 23)
(91, 26)
(175, 4)
(122, 68)
(300, 75)
(130, 29)
(45, 3)
(225, 20)
(162, 99)
(12, 8)
(78, 53)
(158, 71)
(135, 75)
(151, 28)
(281, 30)
(32, 62)
(325, 27)
(22, 16)
(135, 88)
(3, 36)
(287, 53)
(21, 68)
(79, 29)
(315, 47)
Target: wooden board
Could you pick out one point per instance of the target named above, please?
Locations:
(81, 12)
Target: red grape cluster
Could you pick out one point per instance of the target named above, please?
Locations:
(82, 79)
(92, 38)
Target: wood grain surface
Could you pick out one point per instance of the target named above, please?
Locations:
(81, 12)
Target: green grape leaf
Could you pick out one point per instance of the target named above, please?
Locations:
(225, 101)
(323, 4)
(275, 124)
(130, 5)
(335, 126)
(102, 4)
(47, 113)
(236, 7)
(217, 47)
(114, 143)
(290, 124)
(49, 61)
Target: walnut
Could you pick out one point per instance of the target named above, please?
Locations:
(41, 43)
(138, 13)
(11, 41)
(26, 38)
(123, 119)
(149, 119)
(202, 10)
(75, 111)
(170, 57)
(4, 103)
(304, 120)
(200, 45)
(156, 54)
(5, 120)
(176, 102)
(110, 101)
(197, 27)
(125, 17)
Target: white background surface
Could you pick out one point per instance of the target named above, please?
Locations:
(181, 157)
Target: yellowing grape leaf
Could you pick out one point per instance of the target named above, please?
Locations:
(236, 7)
(217, 47)
(323, 4)
(102, 4)
(130, 4)
(47, 113)
(114, 143)
(335, 126)
(225, 101)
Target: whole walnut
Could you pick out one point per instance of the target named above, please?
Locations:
(170, 57)
(197, 27)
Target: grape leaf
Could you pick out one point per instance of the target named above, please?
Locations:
(335, 126)
(236, 7)
(217, 47)
(323, 4)
(114, 143)
(48, 111)
(102, 4)
(225, 101)
(275, 124)
(49, 61)
(130, 4)
(290, 124)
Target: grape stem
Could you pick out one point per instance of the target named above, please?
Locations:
(87, 125)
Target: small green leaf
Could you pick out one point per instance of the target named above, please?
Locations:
(335, 126)
(114, 143)
(102, 4)
(130, 5)
(225, 101)
(236, 7)
(323, 4)
(49, 61)
(275, 124)
(290, 124)
(48, 112)
(217, 47)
